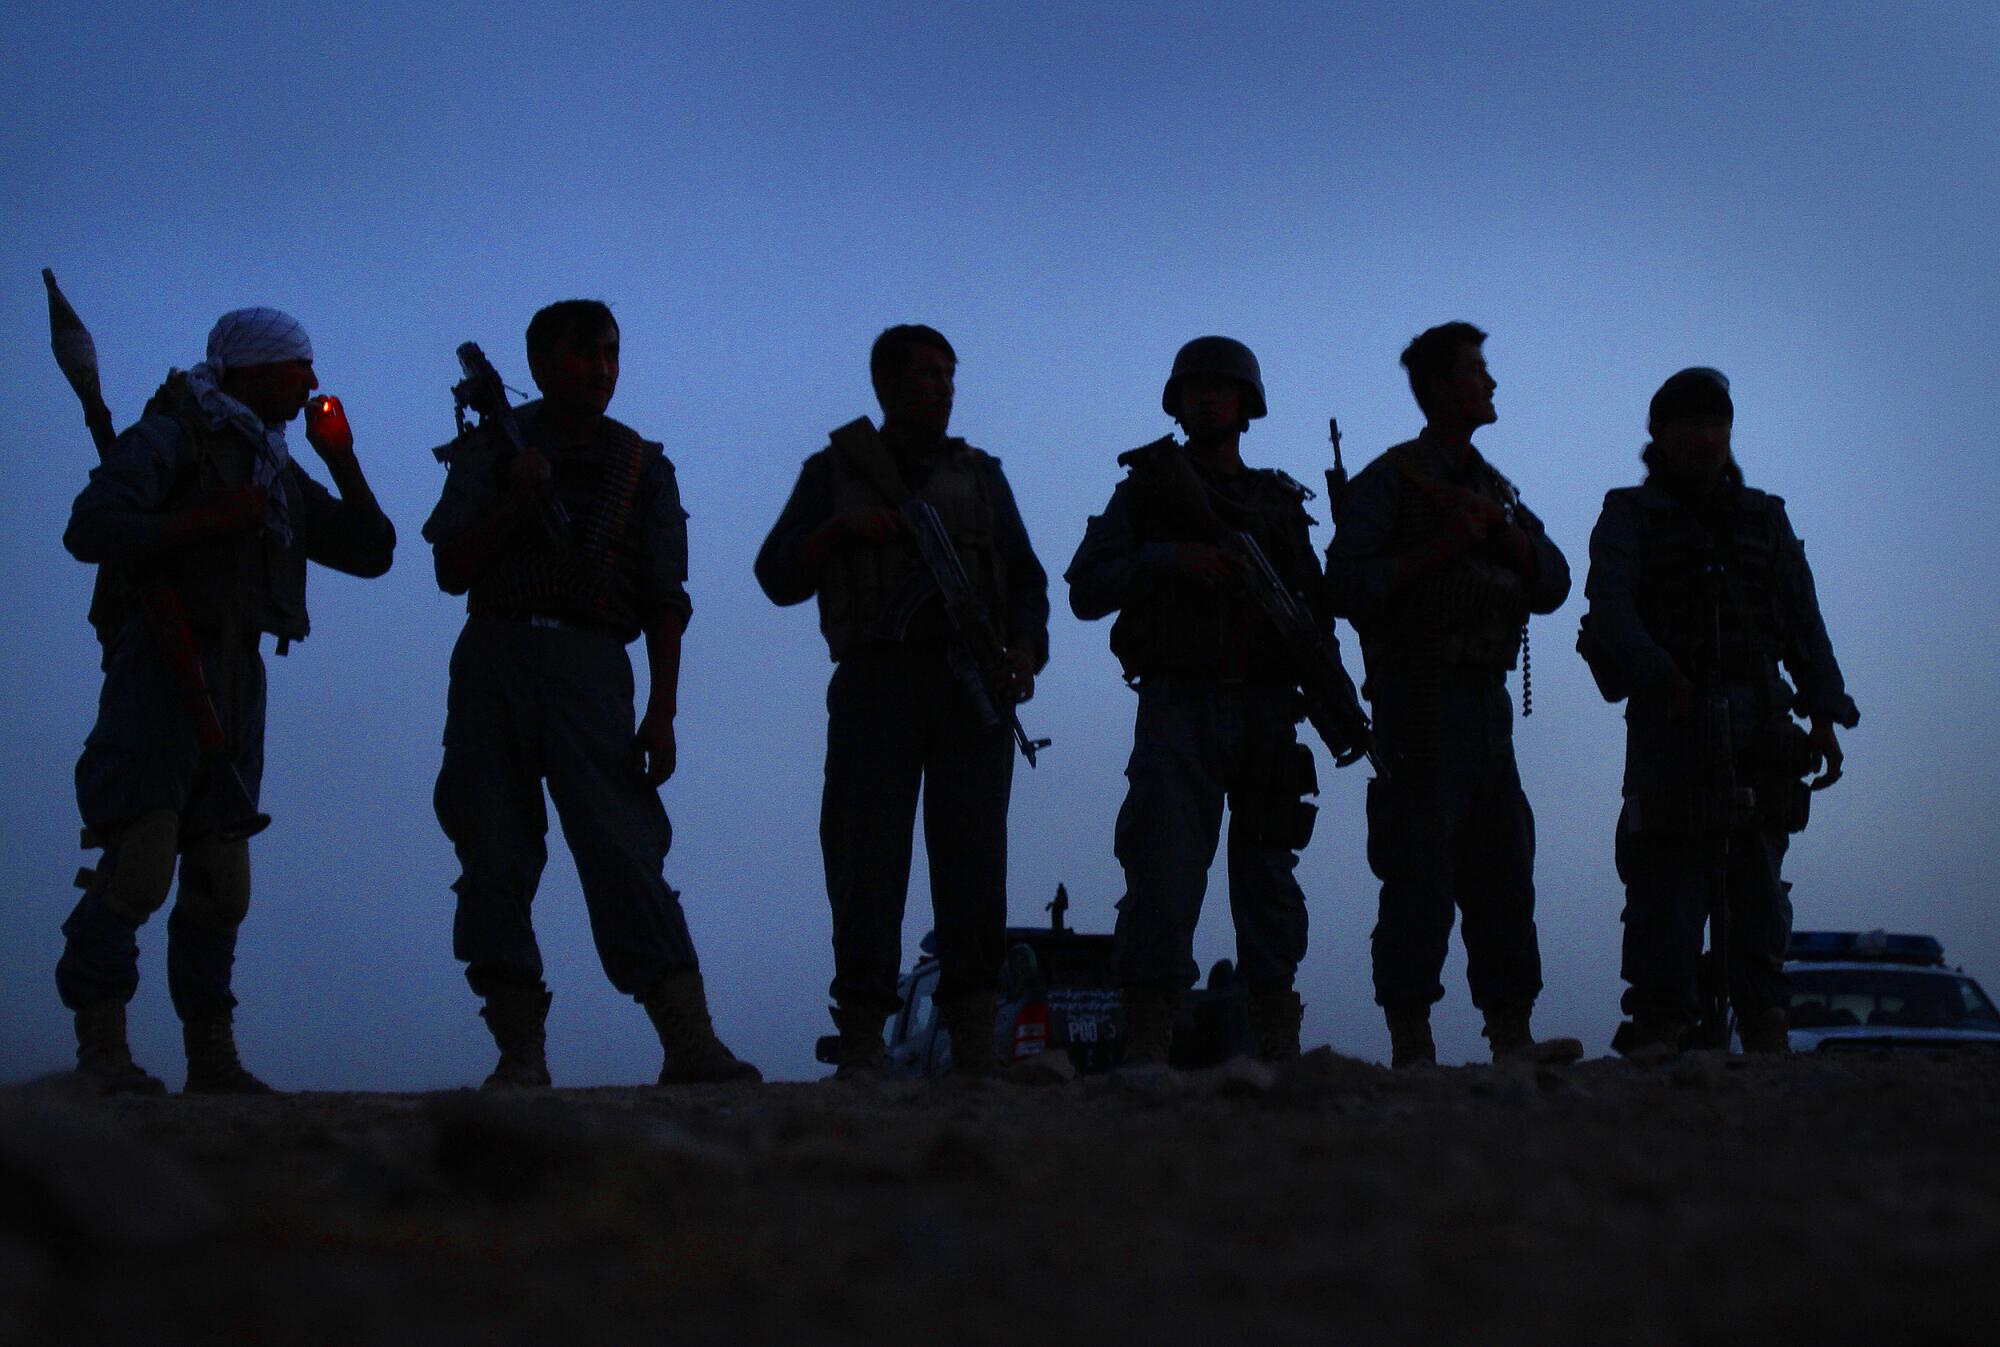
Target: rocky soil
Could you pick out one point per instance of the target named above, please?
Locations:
(1706, 1200)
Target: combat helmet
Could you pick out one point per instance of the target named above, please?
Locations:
(1216, 355)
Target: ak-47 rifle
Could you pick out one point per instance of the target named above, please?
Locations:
(231, 815)
(977, 655)
(1723, 805)
(1336, 476)
(482, 391)
(1312, 655)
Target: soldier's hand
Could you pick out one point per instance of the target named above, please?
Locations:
(528, 474)
(232, 510)
(1019, 683)
(1824, 746)
(869, 523)
(327, 430)
(653, 746)
(1675, 695)
(1469, 518)
(1205, 564)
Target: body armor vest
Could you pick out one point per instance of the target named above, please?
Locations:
(225, 585)
(873, 593)
(1691, 560)
(1209, 631)
(1468, 614)
(591, 578)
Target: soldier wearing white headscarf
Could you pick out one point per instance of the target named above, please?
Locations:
(199, 510)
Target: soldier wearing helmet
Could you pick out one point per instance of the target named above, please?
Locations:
(1438, 564)
(1218, 707)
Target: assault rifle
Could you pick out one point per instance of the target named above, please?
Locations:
(1312, 655)
(1723, 806)
(976, 653)
(230, 814)
(1332, 705)
(482, 391)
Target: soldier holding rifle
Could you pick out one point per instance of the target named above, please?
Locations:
(1699, 591)
(1438, 564)
(1220, 665)
(935, 611)
(202, 522)
(565, 532)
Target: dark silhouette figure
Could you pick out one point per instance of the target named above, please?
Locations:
(1438, 564)
(1219, 701)
(1699, 591)
(203, 523)
(567, 547)
(900, 716)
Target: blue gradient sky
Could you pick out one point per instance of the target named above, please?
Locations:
(1802, 195)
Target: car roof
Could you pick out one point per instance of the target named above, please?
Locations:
(1872, 966)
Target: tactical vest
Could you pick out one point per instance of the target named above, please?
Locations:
(591, 578)
(1698, 574)
(871, 593)
(1186, 627)
(242, 584)
(1469, 613)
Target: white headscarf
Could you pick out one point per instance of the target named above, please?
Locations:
(240, 338)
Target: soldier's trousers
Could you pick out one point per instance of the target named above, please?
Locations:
(899, 721)
(141, 784)
(1669, 879)
(1449, 827)
(1196, 742)
(532, 703)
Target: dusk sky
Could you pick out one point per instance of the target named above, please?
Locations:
(1801, 195)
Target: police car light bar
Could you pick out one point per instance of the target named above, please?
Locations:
(1865, 947)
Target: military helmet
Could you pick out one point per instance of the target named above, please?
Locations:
(1216, 355)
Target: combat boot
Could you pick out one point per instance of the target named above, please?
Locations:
(1149, 1025)
(1764, 1032)
(1410, 1041)
(1275, 1013)
(1510, 1039)
(1650, 1038)
(969, 1018)
(213, 1067)
(103, 1059)
(516, 1016)
(678, 1007)
(858, 1052)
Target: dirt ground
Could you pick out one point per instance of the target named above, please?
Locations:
(1707, 1200)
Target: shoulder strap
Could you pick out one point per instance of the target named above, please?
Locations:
(861, 445)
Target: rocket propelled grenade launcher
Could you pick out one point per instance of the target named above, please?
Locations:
(226, 813)
(76, 356)
(481, 391)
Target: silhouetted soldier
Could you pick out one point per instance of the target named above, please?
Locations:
(541, 690)
(1698, 591)
(1218, 703)
(898, 715)
(1438, 565)
(203, 522)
